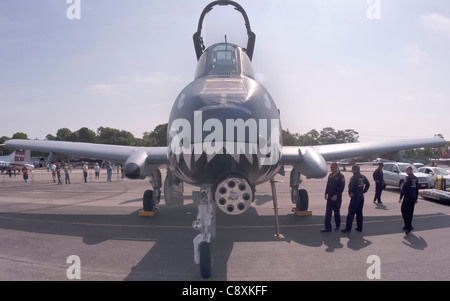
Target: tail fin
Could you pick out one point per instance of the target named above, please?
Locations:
(444, 154)
(20, 156)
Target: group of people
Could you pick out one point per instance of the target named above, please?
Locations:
(109, 171)
(56, 171)
(25, 172)
(358, 186)
(57, 168)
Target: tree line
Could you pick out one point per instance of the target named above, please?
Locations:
(107, 135)
(158, 137)
(104, 135)
(327, 135)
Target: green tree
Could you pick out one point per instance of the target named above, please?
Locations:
(19, 135)
(328, 136)
(64, 134)
(158, 137)
(50, 137)
(347, 136)
(4, 152)
(310, 138)
(86, 135)
(3, 139)
(108, 135)
(290, 139)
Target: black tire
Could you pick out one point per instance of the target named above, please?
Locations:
(303, 200)
(147, 200)
(205, 260)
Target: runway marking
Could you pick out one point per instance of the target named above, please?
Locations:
(91, 224)
(190, 227)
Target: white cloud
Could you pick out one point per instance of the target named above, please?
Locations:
(414, 55)
(437, 23)
(102, 88)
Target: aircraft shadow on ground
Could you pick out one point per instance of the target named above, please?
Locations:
(171, 258)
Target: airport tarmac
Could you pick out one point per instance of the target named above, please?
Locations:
(43, 224)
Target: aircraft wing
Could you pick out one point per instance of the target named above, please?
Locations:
(138, 157)
(311, 160)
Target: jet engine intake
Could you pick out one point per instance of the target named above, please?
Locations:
(313, 165)
(136, 166)
(306, 160)
(234, 195)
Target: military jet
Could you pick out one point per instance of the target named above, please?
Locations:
(224, 137)
(19, 158)
(444, 157)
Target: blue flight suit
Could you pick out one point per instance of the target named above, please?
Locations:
(409, 193)
(335, 186)
(356, 188)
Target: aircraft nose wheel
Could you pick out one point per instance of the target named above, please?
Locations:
(205, 223)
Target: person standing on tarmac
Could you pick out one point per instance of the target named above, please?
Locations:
(85, 172)
(379, 182)
(356, 188)
(409, 194)
(97, 172)
(53, 168)
(25, 174)
(66, 173)
(108, 171)
(58, 173)
(333, 195)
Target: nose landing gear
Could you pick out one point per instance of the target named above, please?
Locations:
(205, 223)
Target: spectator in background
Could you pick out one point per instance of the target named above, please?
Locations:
(97, 172)
(85, 171)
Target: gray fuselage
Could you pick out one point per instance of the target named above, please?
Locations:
(224, 122)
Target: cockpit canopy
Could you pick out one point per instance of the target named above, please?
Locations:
(224, 59)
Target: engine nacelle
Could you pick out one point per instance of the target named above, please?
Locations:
(312, 165)
(136, 166)
(234, 195)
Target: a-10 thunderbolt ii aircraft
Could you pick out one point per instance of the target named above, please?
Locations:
(224, 136)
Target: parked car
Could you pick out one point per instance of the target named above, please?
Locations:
(433, 172)
(395, 173)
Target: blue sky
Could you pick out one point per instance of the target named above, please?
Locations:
(325, 63)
